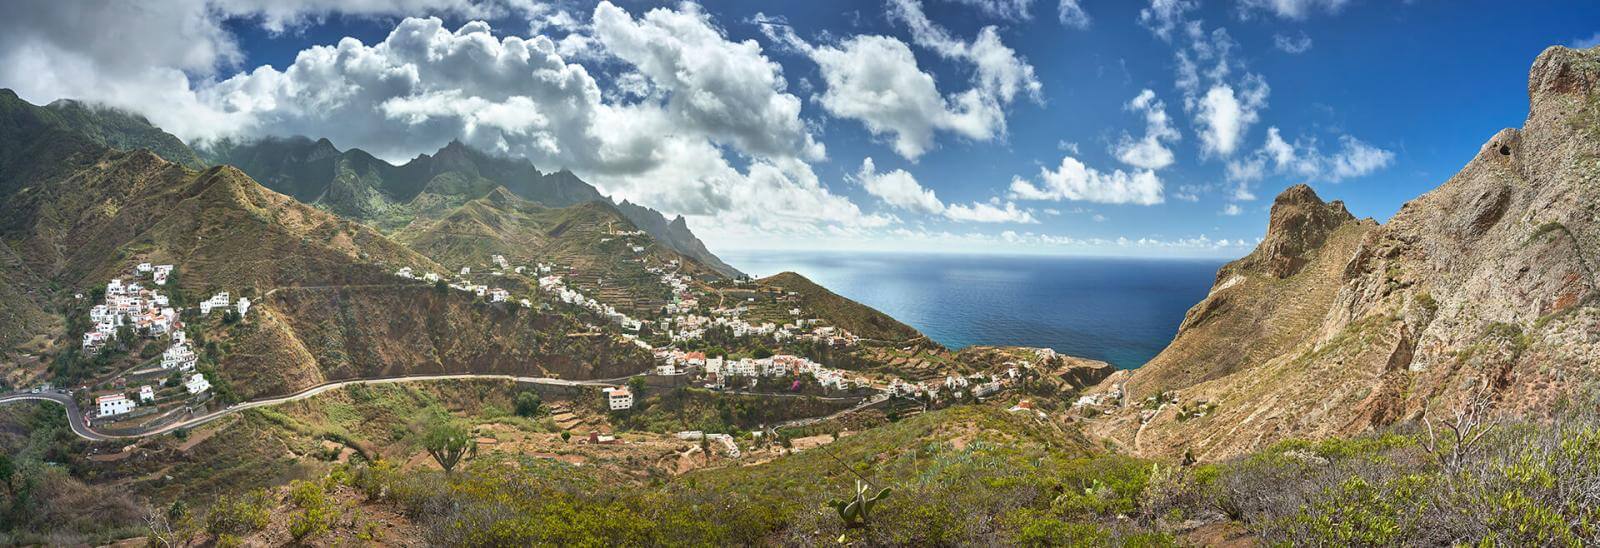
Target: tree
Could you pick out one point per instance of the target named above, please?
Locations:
(636, 385)
(447, 442)
(529, 404)
(566, 436)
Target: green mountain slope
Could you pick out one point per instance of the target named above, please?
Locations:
(356, 185)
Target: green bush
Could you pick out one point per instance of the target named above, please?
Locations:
(239, 515)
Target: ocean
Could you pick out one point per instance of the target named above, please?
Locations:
(1122, 311)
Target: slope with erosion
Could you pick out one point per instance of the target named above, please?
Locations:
(1483, 289)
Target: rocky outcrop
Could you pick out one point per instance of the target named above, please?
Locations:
(1485, 286)
(1299, 224)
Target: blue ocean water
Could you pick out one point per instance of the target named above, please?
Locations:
(1122, 311)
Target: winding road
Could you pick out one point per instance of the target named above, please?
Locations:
(75, 416)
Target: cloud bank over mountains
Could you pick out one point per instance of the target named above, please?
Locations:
(662, 107)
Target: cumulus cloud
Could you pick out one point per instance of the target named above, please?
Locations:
(993, 211)
(1149, 152)
(1225, 115)
(1072, 15)
(998, 72)
(1304, 160)
(898, 188)
(1222, 97)
(1232, 210)
(729, 90)
(1294, 45)
(1075, 181)
(685, 97)
(1290, 9)
(1163, 16)
(877, 81)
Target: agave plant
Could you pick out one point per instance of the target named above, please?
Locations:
(856, 511)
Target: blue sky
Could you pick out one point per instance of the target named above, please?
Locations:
(763, 146)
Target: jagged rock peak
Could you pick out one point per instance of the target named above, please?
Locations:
(1564, 70)
(1299, 224)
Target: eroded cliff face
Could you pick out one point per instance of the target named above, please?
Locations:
(1484, 287)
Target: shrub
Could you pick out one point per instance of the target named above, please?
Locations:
(239, 515)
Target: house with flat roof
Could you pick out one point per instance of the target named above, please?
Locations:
(113, 404)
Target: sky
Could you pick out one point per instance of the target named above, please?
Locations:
(1158, 128)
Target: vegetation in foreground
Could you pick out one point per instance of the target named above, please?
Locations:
(981, 475)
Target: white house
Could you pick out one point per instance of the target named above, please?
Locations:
(500, 261)
(113, 404)
(146, 393)
(178, 356)
(465, 270)
(404, 272)
(619, 398)
(244, 305)
(161, 273)
(197, 384)
(498, 295)
(145, 268)
(220, 300)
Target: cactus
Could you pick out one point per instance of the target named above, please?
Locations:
(856, 511)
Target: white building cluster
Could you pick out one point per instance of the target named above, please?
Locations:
(146, 310)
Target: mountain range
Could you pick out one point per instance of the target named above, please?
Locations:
(357, 185)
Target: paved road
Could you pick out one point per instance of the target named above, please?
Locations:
(869, 402)
(83, 430)
(74, 416)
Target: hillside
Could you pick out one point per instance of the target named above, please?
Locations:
(1483, 289)
(591, 243)
(88, 214)
(859, 319)
(356, 185)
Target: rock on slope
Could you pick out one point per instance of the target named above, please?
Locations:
(1482, 288)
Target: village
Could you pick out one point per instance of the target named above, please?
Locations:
(720, 349)
(685, 320)
(158, 389)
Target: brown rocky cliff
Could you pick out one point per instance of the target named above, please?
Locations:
(1299, 224)
(1484, 286)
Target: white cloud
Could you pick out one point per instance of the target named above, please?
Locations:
(1290, 9)
(1163, 16)
(1297, 44)
(876, 80)
(1014, 10)
(993, 211)
(1071, 14)
(1075, 181)
(1304, 160)
(1232, 210)
(692, 96)
(999, 73)
(728, 90)
(1224, 116)
(1586, 43)
(1149, 152)
(898, 188)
